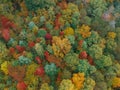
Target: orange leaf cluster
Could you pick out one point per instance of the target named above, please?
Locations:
(17, 72)
(57, 61)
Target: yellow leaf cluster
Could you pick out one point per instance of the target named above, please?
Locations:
(45, 86)
(30, 77)
(69, 31)
(111, 35)
(66, 84)
(78, 80)
(85, 31)
(4, 67)
(60, 46)
(116, 82)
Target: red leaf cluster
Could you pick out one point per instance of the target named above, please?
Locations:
(31, 44)
(46, 54)
(6, 24)
(37, 58)
(90, 60)
(6, 34)
(40, 71)
(11, 50)
(83, 55)
(20, 48)
(21, 86)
